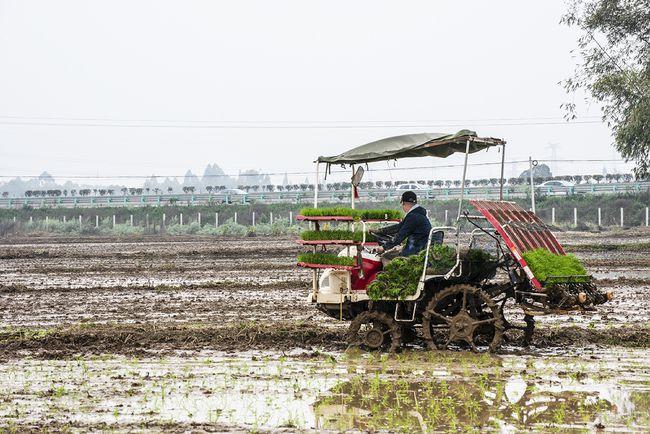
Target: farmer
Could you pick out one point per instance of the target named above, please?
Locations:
(414, 228)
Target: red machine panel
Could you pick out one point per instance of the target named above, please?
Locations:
(520, 229)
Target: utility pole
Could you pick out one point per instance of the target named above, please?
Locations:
(531, 165)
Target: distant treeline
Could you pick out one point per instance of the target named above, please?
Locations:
(335, 186)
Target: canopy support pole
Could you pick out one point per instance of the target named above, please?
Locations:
(503, 162)
(316, 185)
(462, 187)
(314, 276)
(352, 189)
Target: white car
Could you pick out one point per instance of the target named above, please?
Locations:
(410, 187)
(556, 184)
(231, 191)
(555, 187)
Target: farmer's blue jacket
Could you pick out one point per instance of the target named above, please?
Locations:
(415, 229)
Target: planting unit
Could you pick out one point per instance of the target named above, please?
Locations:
(463, 304)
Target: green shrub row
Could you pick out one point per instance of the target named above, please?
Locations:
(228, 228)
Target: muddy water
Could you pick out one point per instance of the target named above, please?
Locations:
(215, 305)
(50, 283)
(224, 282)
(412, 392)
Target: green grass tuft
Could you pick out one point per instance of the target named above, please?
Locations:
(544, 264)
(325, 259)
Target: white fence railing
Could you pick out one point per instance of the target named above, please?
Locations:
(575, 219)
(342, 196)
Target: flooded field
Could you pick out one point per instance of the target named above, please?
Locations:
(409, 392)
(217, 334)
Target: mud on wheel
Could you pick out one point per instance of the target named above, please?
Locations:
(373, 330)
(462, 314)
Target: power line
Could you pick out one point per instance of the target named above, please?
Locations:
(301, 126)
(267, 121)
(306, 173)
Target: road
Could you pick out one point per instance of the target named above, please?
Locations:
(372, 195)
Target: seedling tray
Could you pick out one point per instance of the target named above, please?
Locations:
(336, 243)
(332, 218)
(341, 218)
(325, 266)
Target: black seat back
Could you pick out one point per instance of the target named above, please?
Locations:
(437, 237)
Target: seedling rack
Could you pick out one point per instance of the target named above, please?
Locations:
(349, 243)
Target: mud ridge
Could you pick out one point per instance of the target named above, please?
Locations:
(135, 339)
(224, 284)
(262, 252)
(619, 263)
(98, 268)
(626, 336)
(145, 426)
(145, 238)
(622, 247)
(626, 281)
(152, 339)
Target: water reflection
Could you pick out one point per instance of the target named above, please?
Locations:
(485, 402)
(412, 391)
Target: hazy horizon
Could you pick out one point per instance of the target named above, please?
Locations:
(156, 88)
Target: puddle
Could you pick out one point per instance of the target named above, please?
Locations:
(410, 392)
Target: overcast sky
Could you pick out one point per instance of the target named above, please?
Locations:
(167, 76)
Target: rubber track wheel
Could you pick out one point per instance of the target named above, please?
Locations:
(368, 317)
(471, 290)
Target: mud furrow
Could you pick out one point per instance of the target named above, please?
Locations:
(160, 339)
(230, 285)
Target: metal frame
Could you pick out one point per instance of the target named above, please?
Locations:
(458, 265)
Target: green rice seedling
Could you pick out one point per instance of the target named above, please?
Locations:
(335, 235)
(401, 276)
(546, 265)
(369, 214)
(328, 212)
(325, 259)
(379, 214)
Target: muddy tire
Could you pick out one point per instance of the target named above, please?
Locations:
(374, 331)
(519, 328)
(465, 314)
